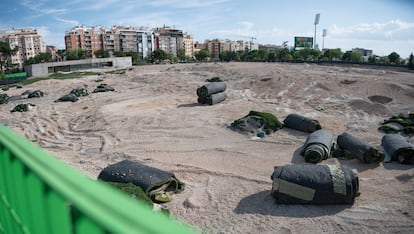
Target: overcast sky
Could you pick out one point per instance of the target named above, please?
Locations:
(383, 26)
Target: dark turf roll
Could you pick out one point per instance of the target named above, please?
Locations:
(315, 184)
(301, 123)
(318, 146)
(353, 147)
(211, 88)
(216, 98)
(154, 182)
(397, 148)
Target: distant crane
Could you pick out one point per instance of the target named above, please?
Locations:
(251, 42)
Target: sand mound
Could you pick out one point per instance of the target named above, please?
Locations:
(153, 117)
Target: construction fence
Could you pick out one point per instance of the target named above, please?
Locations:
(40, 194)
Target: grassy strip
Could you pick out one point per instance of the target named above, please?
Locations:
(118, 71)
(58, 76)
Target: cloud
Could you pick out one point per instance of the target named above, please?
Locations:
(101, 4)
(43, 31)
(185, 3)
(249, 30)
(68, 22)
(150, 20)
(49, 37)
(391, 30)
(39, 7)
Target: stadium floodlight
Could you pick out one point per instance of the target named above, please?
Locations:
(317, 16)
(324, 32)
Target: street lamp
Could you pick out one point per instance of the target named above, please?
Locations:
(316, 22)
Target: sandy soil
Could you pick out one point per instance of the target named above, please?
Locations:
(153, 117)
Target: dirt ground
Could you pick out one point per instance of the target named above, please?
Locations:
(153, 117)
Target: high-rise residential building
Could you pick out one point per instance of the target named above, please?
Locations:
(188, 43)
(214, 47)
(116, 38)
(29, 42)
(134, 39)
(217, 46)
(85, 38)
(168, 39)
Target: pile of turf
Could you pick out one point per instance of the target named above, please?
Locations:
(398, 124)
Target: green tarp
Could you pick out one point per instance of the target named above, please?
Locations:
(35, 94)
(402, 123)
(23, 107)
(68, 98)
(103, 88)
(256, 122)
(4, 98)
(79, 92)
(350, 147)
(314, 184)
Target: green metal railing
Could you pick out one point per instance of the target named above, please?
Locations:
(14, 75)
(40, 194)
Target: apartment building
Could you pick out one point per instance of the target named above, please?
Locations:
(188, 44)
(217, 46)
(214, 47)
(366, 53)
(53, 50)
(134, 39)
(116, 38)
(29, 42)
(168, 39)
(85, 38)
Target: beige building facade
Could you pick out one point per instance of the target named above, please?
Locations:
(188, 43)
(29, 42)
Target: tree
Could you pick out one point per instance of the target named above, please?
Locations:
(357, 57)
(101, 53)
(282, 54)
(159, 55)
(202, 55)
(411, 61)
(77, 54)
(271, 56)
(262, 55)
(394, 58)
(353, 56)
(5, 52)
(333, 54)
(373, 59)
(40, 58)
(347, 56)
(384, 60)
(181, 54)
(307, 54)
(134, 55)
